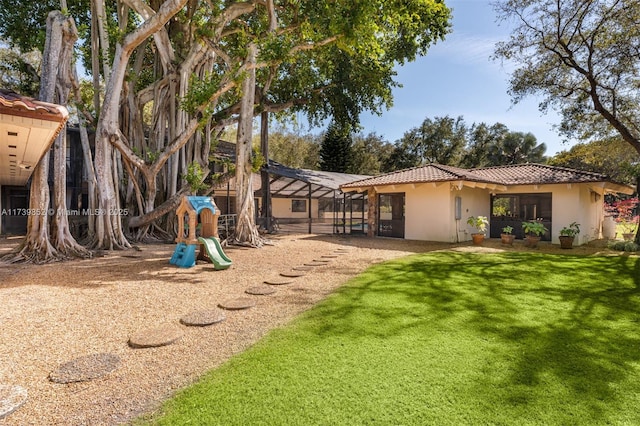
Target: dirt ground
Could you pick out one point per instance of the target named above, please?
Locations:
(54, 313)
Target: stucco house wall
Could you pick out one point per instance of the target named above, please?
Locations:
(475, 202)
(570, 203)
(281, 208)
(428, 213)
(430, 210)
(431, 194)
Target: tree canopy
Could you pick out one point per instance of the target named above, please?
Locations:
(582, 57)
(608, 156)
(450, 141)
(169, 75)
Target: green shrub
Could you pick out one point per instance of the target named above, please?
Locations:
(624, 246)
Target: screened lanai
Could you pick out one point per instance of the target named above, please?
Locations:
(310, 201)
(300, 200)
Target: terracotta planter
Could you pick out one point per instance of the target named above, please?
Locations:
(566, 242)
(507, 239)
(477, 239)
(532, 241)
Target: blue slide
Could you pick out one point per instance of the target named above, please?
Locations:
(215, 252)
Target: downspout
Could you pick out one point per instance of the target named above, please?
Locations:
(309, 185)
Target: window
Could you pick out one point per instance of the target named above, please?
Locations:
(299, 206)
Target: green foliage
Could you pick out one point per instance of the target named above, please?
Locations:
(516, 148)
(534, 228)
(449, 141)
(369, 154)
(478, 222)
(257, 161)
(581, 58)
(152, 156)
(611, 157)
(570, 231)
(294, 150)
(194, 177)
(507, 230)
(443, 339)
(20, 72)
(628, 246)
(441, 140)
(335, 151)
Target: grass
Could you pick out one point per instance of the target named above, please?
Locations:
(446, 339)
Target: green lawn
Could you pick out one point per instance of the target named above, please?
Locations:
(444, 339)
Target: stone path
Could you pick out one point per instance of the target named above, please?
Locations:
(278, 281)
(260, 290)
(94, 366)
(85, 368)
(238, 303)
(155, 337)
(203, 318)
(12, 397)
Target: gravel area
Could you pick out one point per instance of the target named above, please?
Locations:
(52, 314)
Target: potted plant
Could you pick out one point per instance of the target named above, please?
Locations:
(507, 236)
(480, 223)
(627, 228)
(533, 230)
(568, 234)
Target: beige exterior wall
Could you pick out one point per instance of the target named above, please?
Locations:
(281, 208)
(430, 211)
(475, 202)
(571, 203)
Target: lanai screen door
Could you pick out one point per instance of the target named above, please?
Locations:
(391, 215)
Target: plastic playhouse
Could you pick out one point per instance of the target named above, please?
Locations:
(198, 214)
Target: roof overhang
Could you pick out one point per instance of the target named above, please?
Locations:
(27, 130)
(612, 187)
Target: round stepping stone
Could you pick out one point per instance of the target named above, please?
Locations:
(292, 274)
(238, 304)
(85, 368)
(155, 337)
(203, 318)
(260, 290)
(315, 264)
(12, 397)
(278, 281)
(302, 268)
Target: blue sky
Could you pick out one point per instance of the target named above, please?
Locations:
(457, 77)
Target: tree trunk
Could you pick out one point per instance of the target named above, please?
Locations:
(637, 237)
(108, 217)
(36, 246)
(246, 232)
(372, 217)
(63, 241)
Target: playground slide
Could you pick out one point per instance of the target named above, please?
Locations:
(215, 252)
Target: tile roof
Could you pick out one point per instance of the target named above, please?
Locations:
(531, 174)
(518, 174)
(422, 174)
(12, 103)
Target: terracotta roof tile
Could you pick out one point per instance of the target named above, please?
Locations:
(531, 174)
(421, 174)
(14, 104)
(519, 174)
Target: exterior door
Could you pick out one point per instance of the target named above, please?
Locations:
(391, 215)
